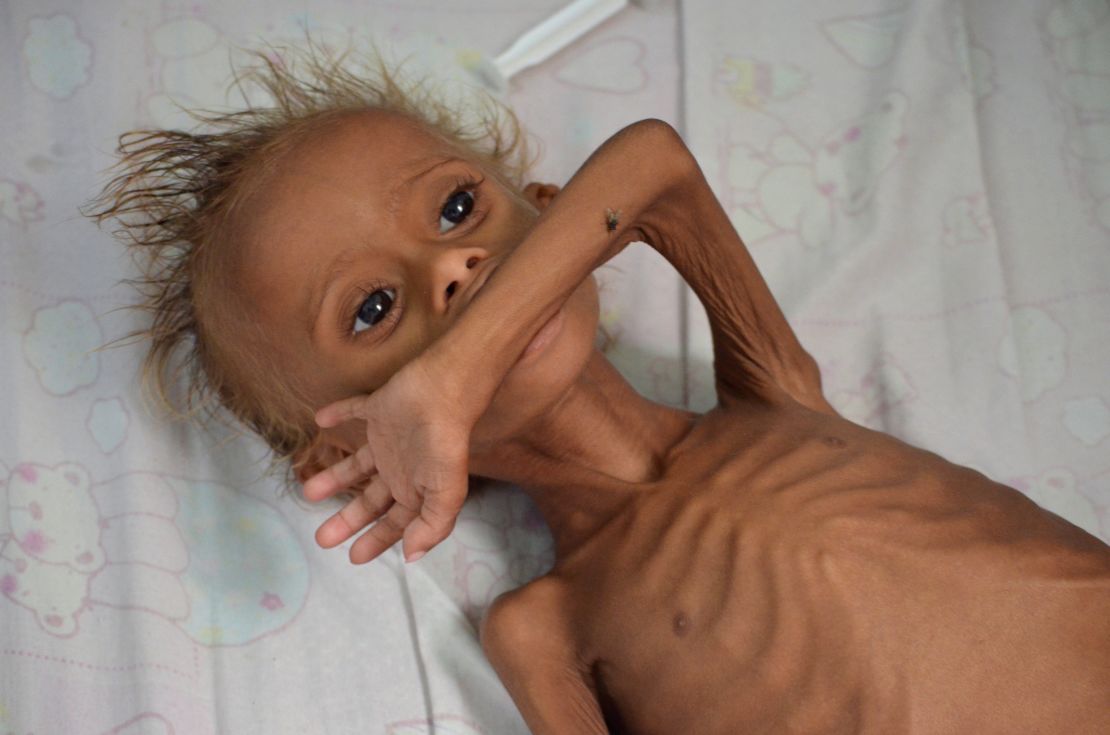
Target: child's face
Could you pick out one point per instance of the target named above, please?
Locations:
(358, 250)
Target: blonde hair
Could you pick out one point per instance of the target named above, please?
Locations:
(174, 192)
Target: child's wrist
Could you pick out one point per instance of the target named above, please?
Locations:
(467, 385)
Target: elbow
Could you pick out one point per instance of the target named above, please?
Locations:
(654, 128)
(659, 142)
(655, 136)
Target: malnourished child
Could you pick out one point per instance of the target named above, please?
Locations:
(374, 292)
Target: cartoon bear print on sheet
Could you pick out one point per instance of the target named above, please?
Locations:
(53, 546)
(789, 187)
(223, 567)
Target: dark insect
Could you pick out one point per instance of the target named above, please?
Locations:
(612, 219)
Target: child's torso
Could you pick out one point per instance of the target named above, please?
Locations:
(794, 572)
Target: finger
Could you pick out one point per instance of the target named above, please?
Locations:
(352, 518)
(436, 519)
(377, 497)
(336, 413)
(355, 515)
(353, 469)
(382, 534)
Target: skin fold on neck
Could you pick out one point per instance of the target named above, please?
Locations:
(580, 461)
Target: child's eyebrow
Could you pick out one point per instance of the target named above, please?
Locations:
(403, 185)
(322, 285)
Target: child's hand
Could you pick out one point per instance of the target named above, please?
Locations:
(413, 466)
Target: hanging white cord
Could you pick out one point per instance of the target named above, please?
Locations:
(540, 43)
(400, 570)
(555, 33)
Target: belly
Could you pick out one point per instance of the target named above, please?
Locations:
(828, 586)
(741, 632)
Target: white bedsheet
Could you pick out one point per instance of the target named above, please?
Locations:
(926, 185)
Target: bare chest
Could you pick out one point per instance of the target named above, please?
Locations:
(779, 582)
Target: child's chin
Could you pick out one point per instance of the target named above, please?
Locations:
(555, 357)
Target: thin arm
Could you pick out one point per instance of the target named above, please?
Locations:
(642, 184)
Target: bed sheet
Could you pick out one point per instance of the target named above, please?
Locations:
(926, 186)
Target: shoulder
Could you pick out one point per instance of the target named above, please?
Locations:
(526, 616)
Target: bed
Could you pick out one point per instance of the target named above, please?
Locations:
(925, 185)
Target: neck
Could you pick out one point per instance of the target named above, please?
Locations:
(599, 446)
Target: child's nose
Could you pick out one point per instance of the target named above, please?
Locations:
(455, 271)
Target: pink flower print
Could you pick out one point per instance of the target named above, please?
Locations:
(34, 542)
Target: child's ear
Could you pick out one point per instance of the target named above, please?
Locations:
(540, 194)
(321, 454)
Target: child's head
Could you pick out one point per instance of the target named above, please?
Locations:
(280, 246)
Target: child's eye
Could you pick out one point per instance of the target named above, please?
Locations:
(374, 308)
(458, 207)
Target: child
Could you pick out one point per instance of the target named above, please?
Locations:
(765, 566)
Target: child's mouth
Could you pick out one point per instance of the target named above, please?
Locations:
(547, 334)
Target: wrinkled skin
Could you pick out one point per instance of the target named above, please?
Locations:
(793, 572)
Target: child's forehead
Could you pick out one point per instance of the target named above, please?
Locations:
(331, 189)
(365, 151)
(386, 144)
